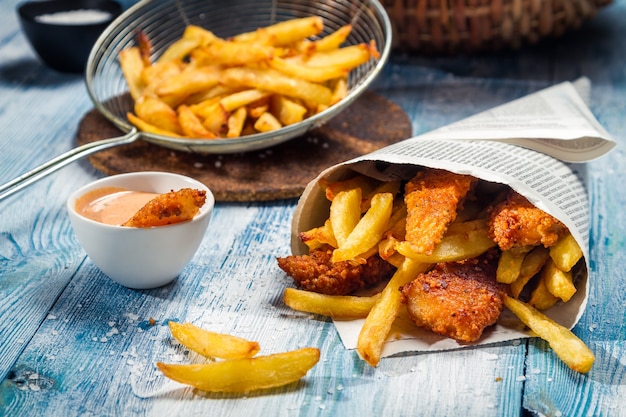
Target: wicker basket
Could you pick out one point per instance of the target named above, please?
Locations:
(448, 26)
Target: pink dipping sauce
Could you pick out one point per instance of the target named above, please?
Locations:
(111, 205)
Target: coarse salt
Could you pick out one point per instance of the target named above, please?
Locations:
(75, 17)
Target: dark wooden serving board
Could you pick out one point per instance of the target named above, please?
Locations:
(280, 172)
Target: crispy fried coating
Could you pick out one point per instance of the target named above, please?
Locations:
(515, 222)
(169, 208)
(457, 299)
(315, 272)
(432, 198)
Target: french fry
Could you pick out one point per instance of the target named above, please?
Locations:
(247, 374)
(267, 122)
(147, 127)
(224, 52)
(212, 345)
(510, 265)
(242, 98)
(158, 113)
(316, 74)
(215, 118)
(194, 31)
(533, 262)
(360, 181)
(132, 67)
(287, 111)
(566, 252)
(340, 90)
(567, 346)
(345, 213)
(335, 306)
(189, 82)
(454, 246)
(191, 125)
(327, 43)
(368, 231)
(559, 283)
(180, 49)
(319, 236)
(276, 82)
(285, 33)
(541, 298)
(384, 312)
(236, 122)
(348, 57)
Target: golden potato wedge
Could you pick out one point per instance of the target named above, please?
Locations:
(567, 346)
(247, 374)
(211, 344)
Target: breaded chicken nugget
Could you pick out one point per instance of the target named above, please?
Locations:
(457, 299)
(432, 198)
(515, 222)
(315, 272)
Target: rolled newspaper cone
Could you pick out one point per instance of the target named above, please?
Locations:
(546, 181)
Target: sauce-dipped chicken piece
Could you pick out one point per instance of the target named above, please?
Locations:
(169, 208)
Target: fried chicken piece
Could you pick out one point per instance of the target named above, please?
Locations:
(457, 299)
(169, 208)
(315, 272)
(515, 223)
(432, 198)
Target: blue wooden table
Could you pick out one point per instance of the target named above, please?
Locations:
(73, 343)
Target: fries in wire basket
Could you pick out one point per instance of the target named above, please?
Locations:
(207, 87)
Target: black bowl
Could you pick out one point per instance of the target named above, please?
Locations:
(62, 32)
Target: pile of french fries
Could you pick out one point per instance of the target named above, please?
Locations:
(239, 370)
(368, 217)
(207, 87)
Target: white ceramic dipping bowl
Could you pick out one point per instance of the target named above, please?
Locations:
(141, 258)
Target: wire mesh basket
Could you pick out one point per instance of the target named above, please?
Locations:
(163, 21)
(450, 26)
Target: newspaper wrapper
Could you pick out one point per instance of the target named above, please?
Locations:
(522, 144)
